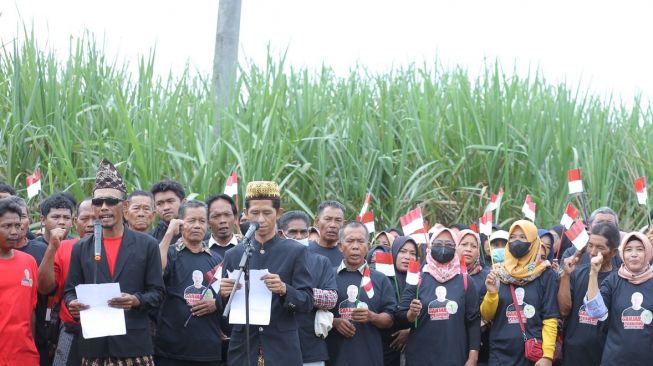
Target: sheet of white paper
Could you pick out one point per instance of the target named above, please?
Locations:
(260, 299)
(100, 320)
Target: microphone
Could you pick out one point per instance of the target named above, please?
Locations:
(97, 235)
(250, 232)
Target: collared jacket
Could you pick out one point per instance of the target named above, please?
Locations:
(138, 271)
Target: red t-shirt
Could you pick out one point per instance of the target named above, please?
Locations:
(61, 267)
(17, 301)
(111, 248)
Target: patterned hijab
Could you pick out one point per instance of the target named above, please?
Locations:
(442, 272)
(520, 271)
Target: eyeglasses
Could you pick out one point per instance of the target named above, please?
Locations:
(110, 201)
(443, 243)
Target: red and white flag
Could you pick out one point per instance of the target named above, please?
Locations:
(366, 283)
(578, 235)
(412, 277)
(574, 181)
(231, 188)
(529, 208)
(640, 189)
(366, 204)
(485, 223)
(570, 215)
(368, 220)
(412, 221)
(213, 276)
(495, 201)
(384, 263)
(34, 184)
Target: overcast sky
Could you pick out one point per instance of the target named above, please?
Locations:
(604, 45)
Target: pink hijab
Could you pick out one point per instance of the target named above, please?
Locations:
(442, 272)
(624, 272)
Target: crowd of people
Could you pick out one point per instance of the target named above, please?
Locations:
(525, 296)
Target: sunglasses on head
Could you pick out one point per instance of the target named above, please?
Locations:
(110, 201)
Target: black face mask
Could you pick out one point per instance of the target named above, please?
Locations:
(443, 254)
(519, 248)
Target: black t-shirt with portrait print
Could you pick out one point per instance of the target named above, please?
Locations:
(629, 324)
(186, 277)
(540, 302)
(583, 344)
(365, 347)
(449, 324)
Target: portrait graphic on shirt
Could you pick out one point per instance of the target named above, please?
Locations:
(193, 293)
(584, 318)
(527, 311)
(441, 307)
(636, 317)
(27, 280)
(349, 304)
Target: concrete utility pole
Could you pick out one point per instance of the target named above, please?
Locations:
(225, 59)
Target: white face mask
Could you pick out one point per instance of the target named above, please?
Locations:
(303, 242)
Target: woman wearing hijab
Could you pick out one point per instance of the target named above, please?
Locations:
(534, 286)
(469, 249)
(443, 310)
(394, 339)
(624, 303)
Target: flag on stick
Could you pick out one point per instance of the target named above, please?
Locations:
(412, 277)
(366, 204)
(231, 188)
(574, 181)
(529, 208)
(640, 190)
(570, 215)
(34, 184)
(368, 220)
(495, 201)
(485, 226)
(578, 235)
(413, 225)
(384, 263)
(366, 283)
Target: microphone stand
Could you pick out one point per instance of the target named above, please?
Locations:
(243, 267)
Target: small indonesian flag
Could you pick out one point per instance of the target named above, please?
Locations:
(473, 227)
(485, 226)
(412, 277)
(366, 283)
(570, 215)
(384, 263)
(412, 221)
(640, 189)
(578, 235)
(231, 188)
(529, 208)
(421, 236)
(213, 277)
(495, 201)
(34, 184)
(366, 204)
(575, 181)
(368, 220)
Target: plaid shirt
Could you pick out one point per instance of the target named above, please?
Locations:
(324, 299)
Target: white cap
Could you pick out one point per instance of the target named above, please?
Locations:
(499, 234)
